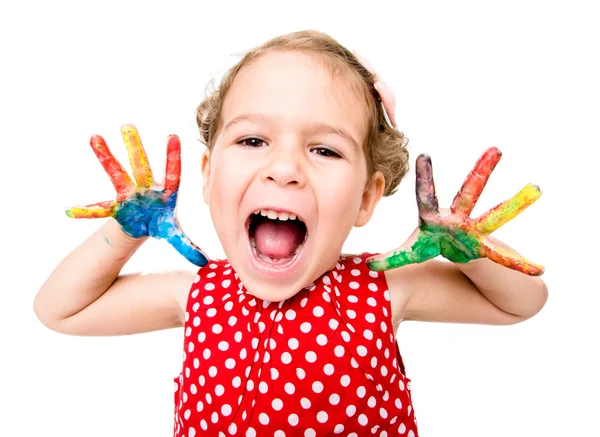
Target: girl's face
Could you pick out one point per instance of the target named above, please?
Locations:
(290, 144)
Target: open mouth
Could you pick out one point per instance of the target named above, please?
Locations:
(276, 237)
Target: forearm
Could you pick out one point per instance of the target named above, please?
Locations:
(85, 274)
(511, 291)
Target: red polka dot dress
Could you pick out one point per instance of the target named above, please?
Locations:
(321, 363)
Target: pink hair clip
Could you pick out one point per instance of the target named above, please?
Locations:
(385, 92)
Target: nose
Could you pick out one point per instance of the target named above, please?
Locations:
(284, 167)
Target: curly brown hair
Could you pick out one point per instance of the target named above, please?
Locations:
(385, 147)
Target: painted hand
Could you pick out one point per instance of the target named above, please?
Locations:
(452, 233)
(143, 208)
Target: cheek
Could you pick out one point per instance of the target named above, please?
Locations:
(340, 198)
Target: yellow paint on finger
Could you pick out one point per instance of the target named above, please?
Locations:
(137, 156)
(507, 210)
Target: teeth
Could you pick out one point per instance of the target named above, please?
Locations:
(274, 215)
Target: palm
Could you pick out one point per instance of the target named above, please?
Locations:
(451, 232)
(142, 208)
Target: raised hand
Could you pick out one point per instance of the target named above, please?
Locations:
(143, 208)
(452, 233)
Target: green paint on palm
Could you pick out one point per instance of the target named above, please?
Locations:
(455, 245)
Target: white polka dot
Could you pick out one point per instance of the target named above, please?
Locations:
(386, 295)
(223, 345)
(303, 302)
(322, 416)
(236, 382)
(232, 320)
(203, 424)
(334, 399)
(217, 329)
(318, 311)
(345, 380)
(361, 350)
(190, 347)
(286, 358)
(208, 299)
(211, 312)
(383, 413)
(311, 357)
(187, 414)
(243, 353)
(310, 432)
(232, 429)
(317, 386)
(362, 419)
(322, 339)
(250, 385)
(371, 402)
(305, 327)
(208, 398)
(193, 389)
(250, 432)
(352, 298)
(226, 283)
(277, 404)
(279, 433)
(212, 371)
(328, 369)
(201, 380)
(383, 327)
(305, 403)
(372, 302)
(350, 410)
(353, 285)
(219, 390)
(346, 336)
(339, 428)
(370, 317)
(355, 272)
(206, 354)
(410, 433)
(196, 279)
(300, 373)
(263, 418)
(326, 297)
(293, 419)
(384, 371)
(398, 403)
(196, 321)
(357, 260)
(228, 306)
(289, 388)
(199, 406)
(293, 343)
(339, 351)
(333, 324)
(274, 373)
(374, 362)
(263, 387)
(402, 428)
(351, 313)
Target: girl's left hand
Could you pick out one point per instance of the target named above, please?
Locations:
(451, 232)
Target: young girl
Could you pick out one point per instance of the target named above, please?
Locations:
(287, 336)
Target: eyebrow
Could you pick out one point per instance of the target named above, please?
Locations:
(323, 128)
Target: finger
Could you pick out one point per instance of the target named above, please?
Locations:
(418, 248)
(117, 174)
(426, 199)
(509, 258)
(172, 232)
(507, 210)
(173, 167)
(137, 156)
(467, 196)
(96, 210)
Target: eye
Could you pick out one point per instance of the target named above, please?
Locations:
(328, 153)
(251, 142)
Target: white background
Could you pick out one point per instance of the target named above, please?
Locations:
(520, 75)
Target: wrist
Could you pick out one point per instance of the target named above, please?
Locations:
(114, 235)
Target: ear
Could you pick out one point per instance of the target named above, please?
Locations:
(206, 176)
(370, 198)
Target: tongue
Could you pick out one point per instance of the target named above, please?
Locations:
(277, 239)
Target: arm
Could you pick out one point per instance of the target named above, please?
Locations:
(85, 296)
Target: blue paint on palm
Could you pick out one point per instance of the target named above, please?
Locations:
(149, 213)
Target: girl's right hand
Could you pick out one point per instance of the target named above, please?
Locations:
(143, 208)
